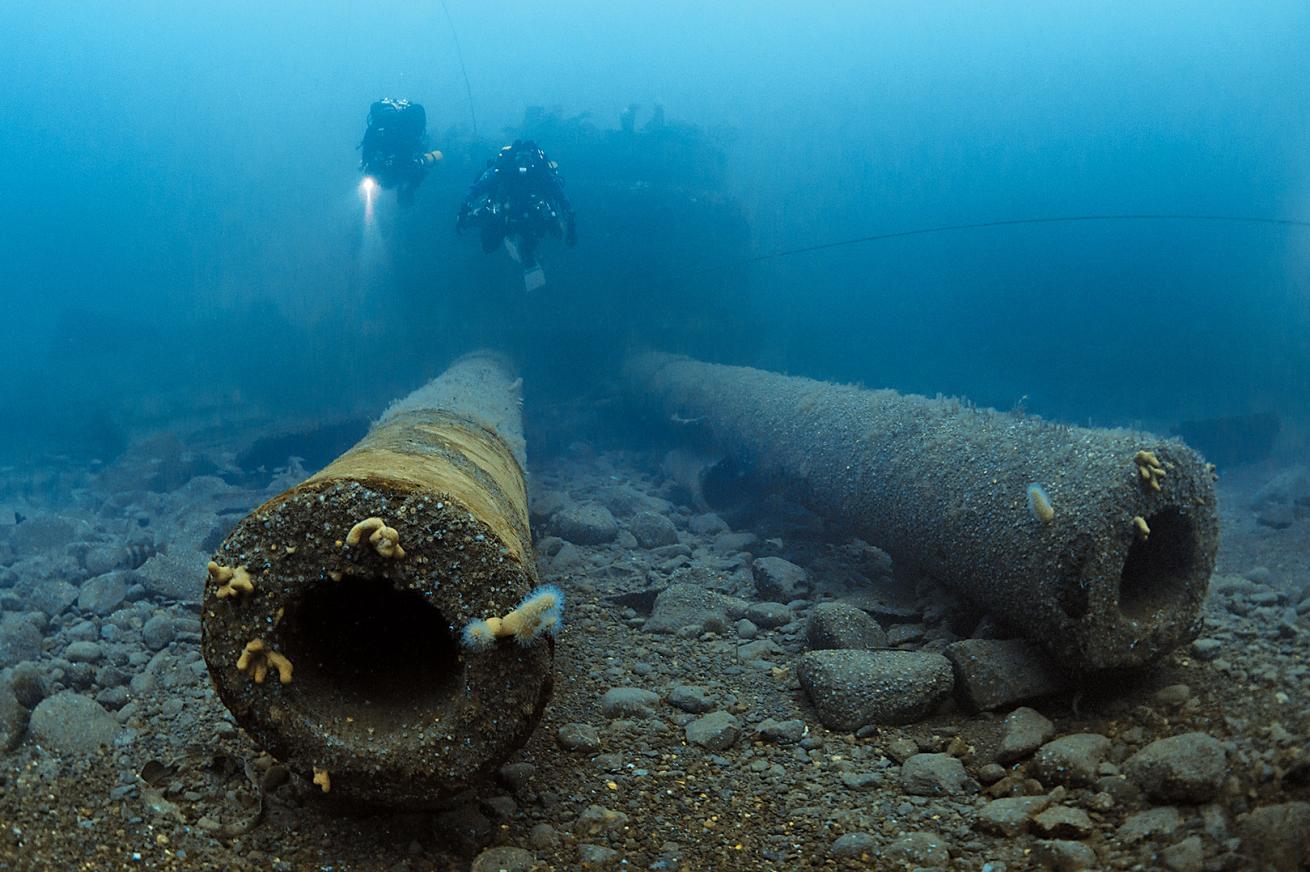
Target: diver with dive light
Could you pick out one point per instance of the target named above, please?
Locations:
(517, 201)
(394, 151)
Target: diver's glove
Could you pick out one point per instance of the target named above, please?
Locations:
(571, 234)
(462, 221)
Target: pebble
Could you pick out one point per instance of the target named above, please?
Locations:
(779, 580)
(503, 859)
(855, 846)
(1187, 768)
(588, 524)
(1153, 823)
(1186, 856)
(28, 684)
(1064, 856)
(83, 652)
(853, 688)
(1072, 759)
(69, 723)
(716, 731)
(103, 593)
(997, 673)
(1174, 694)
(578, 737)
(19, 640)
(13, 717)
(905, 634)
(1009, 815)
(1063, 822)
(53, 597)
(782, 732)
(172, 575)
(769, 615)
(500, 807)
(760, 649)
(1278, 835)
(597, 857)
(861, 780)
(158, 632)
(516, 775)
(682, 606)
(620, 702)
(1025, 730)
(102, 559)
(919, 849)
(597, 819)
(690, 698)
(901, 748)
(113, 698)
(936, 775)
(707, 524)
(543, 837)
(652, 530)
(843, 626)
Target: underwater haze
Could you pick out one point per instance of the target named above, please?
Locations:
(682, 435)
(181, 216)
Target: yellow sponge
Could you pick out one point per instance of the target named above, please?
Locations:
(231, 581)
(1149, 468)
(258, 657)
(386, 541)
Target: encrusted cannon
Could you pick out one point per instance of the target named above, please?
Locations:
(1096, 543)
(380, 627)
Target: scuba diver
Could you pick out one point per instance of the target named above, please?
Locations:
(516, 201)
(392, 152)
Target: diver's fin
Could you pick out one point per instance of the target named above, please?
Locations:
(534, 278)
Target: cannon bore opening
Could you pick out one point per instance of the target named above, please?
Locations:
(363, 650)
(1158, 570)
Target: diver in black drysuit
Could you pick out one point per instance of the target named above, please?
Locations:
(393, 152)
(519, 196)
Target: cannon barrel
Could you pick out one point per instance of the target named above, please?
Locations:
(1096, 543)
(334, 614)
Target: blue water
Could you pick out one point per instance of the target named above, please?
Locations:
(183, 234)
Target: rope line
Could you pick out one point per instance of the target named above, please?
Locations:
(1011, 222)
